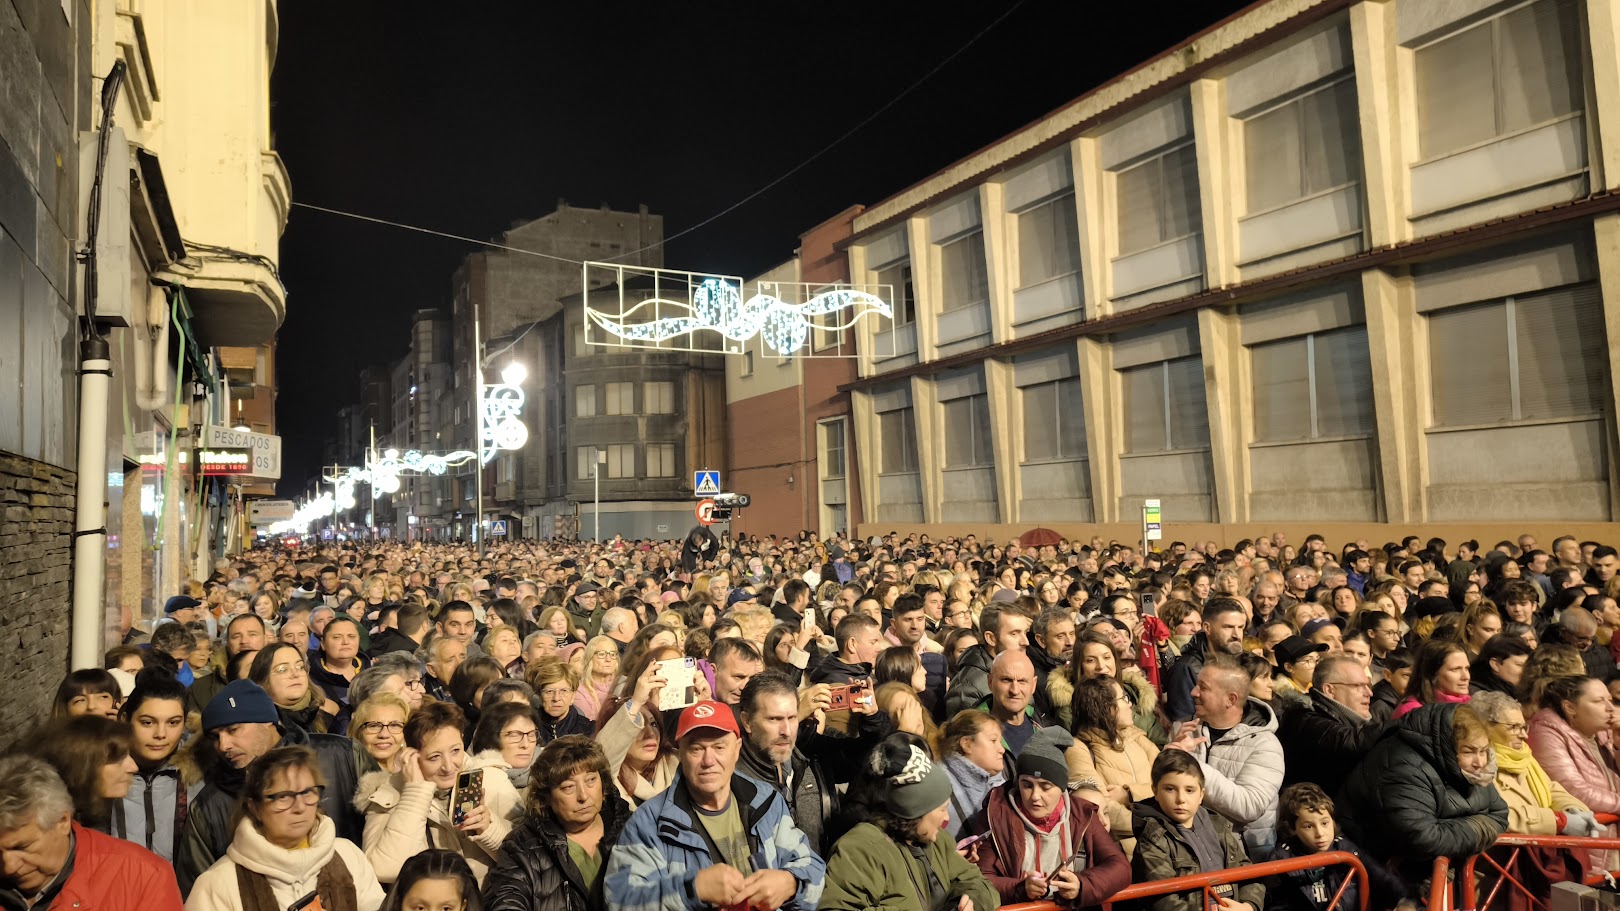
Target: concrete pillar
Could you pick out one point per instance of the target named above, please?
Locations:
(1217, 196)
(1088, 201)
(1397, 400)
(930, 446)
(866, 330)
(1100, 397)
(998, 259)
(1388, 127)
(863, 465)
(1603, 117)
(1606, 234)
(926, 287)
(1225, 395)
(1006, 430)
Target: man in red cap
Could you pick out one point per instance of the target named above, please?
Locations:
(715, 838)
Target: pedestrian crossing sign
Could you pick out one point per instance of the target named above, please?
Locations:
(497, 528)
(705, 483)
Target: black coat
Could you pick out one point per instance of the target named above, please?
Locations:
(1183, 676)
(812, 801)
(1384, 700)
(1322, 741)
(574, 722)
(1410, 799)
(1312, 888)
(535, 872)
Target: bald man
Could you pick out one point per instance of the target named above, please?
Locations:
(1012, 685)
(1234, 739)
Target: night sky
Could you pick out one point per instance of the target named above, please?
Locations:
(467, 118)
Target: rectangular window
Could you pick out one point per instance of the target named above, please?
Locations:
(660, 460)
(621, 461)
(899, 440)
(1303, 147)
(746, 367)
(1054, 421)
(658, 398)
(1048, 241)
(1164, 406)
(1498, 77)
(584, 401)
(587, 462)
(581, 349)
(1535, 356)
(967, 432)
(898, 279)
(832, 449)
(621, 398)
(1312, 387)
(1157, 200)
(964, 277)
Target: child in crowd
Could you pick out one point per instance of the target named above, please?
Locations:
(1305, 825)
(1176, 836)
(1389, 692)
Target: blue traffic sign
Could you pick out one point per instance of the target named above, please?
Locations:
(497, 528)
(705, 483)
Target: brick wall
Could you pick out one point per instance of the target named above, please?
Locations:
(36, 546)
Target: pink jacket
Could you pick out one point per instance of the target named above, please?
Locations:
(1566, 756)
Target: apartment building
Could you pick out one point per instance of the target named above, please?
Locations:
(1325, 262)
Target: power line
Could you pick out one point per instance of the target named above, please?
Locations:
(718, 215)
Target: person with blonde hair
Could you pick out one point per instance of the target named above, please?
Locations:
(598, 671)
(554, 684)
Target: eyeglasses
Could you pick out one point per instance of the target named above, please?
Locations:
(288, 667)
(517, 737)
(415, 684)
(556, 692)
(607, 656)
(1359, 685)
(1520, 728)
(377, 727)
(284, 800)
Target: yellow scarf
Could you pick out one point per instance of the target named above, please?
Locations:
(1520, 762)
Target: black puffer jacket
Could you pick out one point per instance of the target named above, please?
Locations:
(535, 872)
(1322, 741)
(1409, 798)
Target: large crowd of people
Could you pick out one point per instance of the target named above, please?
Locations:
(769, 723)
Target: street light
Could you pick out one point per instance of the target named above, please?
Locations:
(497, 424)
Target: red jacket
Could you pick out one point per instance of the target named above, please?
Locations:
(110, 874)
(1001, 856)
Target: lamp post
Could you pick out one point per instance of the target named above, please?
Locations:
(596, 497)
(478, 432)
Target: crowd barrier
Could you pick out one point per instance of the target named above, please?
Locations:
(1505, 871)
(1204, 882)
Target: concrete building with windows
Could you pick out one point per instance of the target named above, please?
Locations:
(1325, 263)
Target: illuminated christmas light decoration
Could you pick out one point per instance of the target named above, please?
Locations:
(501, 426)
(718, 306)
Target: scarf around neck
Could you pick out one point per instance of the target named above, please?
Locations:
(1519, 762)
(1046, 843)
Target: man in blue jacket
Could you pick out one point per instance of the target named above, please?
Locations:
(715, 838)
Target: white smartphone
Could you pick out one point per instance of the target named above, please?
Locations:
(809, 617)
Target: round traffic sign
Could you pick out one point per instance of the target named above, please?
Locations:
(705, 512)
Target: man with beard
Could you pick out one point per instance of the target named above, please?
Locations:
(770, 753)
(1222, 634)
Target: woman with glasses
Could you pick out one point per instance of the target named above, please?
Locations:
(554, 684)
(282, 671)
(378, 729)
(284, 852)
(504, 742)
(600, 669)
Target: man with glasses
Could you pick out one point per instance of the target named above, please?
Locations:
(239, 725)
(1326, 734)
(1578, 629)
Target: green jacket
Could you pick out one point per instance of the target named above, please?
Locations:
(1164, 852)
(868, 871)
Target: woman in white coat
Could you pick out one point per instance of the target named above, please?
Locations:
(285, 853)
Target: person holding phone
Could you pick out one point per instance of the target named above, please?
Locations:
(418, 807)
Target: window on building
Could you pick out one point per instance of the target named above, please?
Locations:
(898, 279)
(964, 278)
(621, 461)
(1499, 76)
(746, 367)
(967, 432)
(832, 449)
(1302, 147)
(1157, 200)
(898, 435)
(587, 462)
(585, 401)
(581, 348)
(1534, 356)
(1164, 406)
(1054, 421)
(660, 460)
(620, 398)
(658, 398)
(1048, 241)
(1312, 387)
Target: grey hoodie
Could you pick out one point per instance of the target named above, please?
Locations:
(1243, 772)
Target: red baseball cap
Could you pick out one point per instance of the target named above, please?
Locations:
(710, 714)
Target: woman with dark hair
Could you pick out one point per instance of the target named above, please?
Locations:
(900, 854)
(284, 674)
(900, 664)
(285, 853)
(1095, 655)
(435, 879)
(334, 664)
(641, 759)
(956, 643)
(555, 856)
(1113, 751)
(780, 643)
(468, 682)
(1439, 676)
(1500, 666)
(505, 741)
(92, 755)
(167, 779)
(91, 691)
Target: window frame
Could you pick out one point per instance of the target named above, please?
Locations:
(1066, 195)
(1314, 432)
(911, 462)
(975, 238)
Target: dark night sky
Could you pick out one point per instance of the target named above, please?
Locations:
(469, 121)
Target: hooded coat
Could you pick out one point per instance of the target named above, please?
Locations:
(535, 872)
(152, 814)
(1001, 858)
(291, 874)
(1144, 702)
(1409, 796)
(1243, 772)
(868, 871)
(971, 684)
(1322, 741)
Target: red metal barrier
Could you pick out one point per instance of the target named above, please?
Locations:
(1440, 885)
(1465, 877)
(1203, 882)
